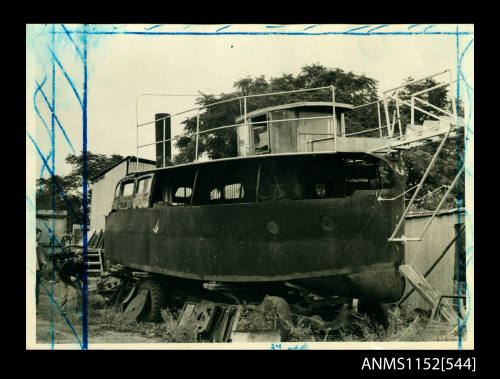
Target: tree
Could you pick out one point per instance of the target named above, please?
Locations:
(349, 88)
(65, 193)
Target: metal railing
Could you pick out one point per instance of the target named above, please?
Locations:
(245, 123)
(391, 95)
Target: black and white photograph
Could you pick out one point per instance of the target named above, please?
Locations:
(250, 187)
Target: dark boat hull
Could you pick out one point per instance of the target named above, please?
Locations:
(332, 246)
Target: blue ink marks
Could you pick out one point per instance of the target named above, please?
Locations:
(85, 205)
(413, 26)
(104, 32)
(312, 26)
(427, 28)
(280, 346)
(39, 89)
(153, 27)
(73, 42)
(54, 115)
(224, 27)
(187, 26)
(67, 77)
(53, 176)
(54, 302)
(378, 27)
(297, 347)
(274, 26)
(361, 27)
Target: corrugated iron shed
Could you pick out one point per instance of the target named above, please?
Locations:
(104, 184)
(423, 254)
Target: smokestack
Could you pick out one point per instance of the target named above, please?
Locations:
(160, 120)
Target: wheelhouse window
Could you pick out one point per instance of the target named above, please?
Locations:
(128, 189)
(234, 191)
(233, 182)
(215, 194)
(260, 135)
(173, 187)
(306, 178)
(143, 185)
(321, 177)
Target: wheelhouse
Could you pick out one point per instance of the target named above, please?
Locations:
(289, 127)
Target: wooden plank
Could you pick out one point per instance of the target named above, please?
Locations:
(428, 293)
(420, 284)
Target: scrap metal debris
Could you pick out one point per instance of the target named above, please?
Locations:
(214, 321)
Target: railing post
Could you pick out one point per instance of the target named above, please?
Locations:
(197, 134)
(164, 123)
(452, 185)
(136, 134)
(412, 110)
(247, 127)
(453, 100)
(431, 164)
(387, 117)
(379, 119)
(334, 119)
(399, 118)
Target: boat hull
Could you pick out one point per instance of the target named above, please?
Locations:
(334, 246)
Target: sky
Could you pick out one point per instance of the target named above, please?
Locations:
(122, 67)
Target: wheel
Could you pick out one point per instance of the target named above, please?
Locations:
(155, 300)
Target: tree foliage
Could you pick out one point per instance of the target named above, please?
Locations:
(65, 193)
(416, 160)
(349, 88)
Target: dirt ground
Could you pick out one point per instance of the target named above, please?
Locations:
(53, 327)
(107, 325)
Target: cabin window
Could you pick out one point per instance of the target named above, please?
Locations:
(234, 191)
(321, 190)
(128, 189)
(233, 182)
(362, 175)
(173, 187)
(143, 185)
(183, 192)
(215, 194)
(308, 178)
(260, 135)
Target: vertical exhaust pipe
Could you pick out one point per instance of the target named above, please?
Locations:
(162, 124)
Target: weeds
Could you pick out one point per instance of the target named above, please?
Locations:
(403, 325)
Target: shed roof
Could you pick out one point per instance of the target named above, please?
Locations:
(128, 157)
(301, 104)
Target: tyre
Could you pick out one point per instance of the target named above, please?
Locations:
(155, 302)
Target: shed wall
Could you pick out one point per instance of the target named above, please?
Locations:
(102, 195)
(423, 254)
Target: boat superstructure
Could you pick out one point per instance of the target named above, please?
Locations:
(306, 202)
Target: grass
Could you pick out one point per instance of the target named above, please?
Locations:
(404, 325)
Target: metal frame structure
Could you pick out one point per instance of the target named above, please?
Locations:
(399, 141)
